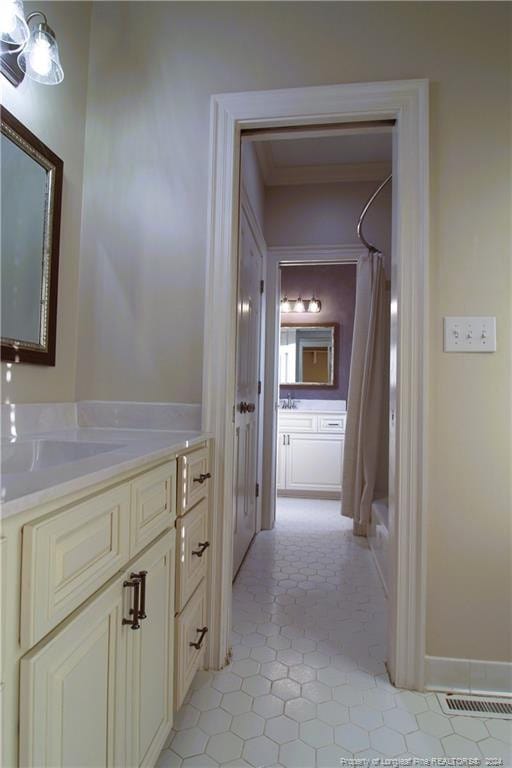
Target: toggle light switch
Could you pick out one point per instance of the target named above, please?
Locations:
(470, 334)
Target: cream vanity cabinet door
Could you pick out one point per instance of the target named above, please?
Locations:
(96, 692)
(73, 690)
(313, 462)
(150, 655)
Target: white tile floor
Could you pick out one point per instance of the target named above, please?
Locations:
(307, 684)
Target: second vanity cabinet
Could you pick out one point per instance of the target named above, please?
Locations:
(104, 617)
(310, 453)
(192, 529)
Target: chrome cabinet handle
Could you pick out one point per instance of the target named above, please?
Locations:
(203, 546)
(202, 478)
(198, 643)
(134, 583)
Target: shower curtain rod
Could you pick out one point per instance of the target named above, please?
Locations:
(365, 210)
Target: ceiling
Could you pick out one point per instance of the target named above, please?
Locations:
(331, 157)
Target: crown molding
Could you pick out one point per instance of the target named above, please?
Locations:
(280, 176)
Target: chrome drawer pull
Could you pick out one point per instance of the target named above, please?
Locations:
(202, 633)
(203, 546)
(202, 477)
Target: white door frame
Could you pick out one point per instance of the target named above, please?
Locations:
(276, 256)
(406, 102)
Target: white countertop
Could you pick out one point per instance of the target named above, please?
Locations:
(315, 406)
(23, 490)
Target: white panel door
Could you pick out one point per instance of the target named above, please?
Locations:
(73, 691)
(246, 407)
(313, 462)
(151, 653)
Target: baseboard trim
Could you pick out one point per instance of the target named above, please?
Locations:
(336, 495)
(470, 676)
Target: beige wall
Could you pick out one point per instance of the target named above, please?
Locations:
(56, 114)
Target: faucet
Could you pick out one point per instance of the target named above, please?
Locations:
(289, 403)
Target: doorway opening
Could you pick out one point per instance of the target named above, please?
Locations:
(406, 103)
(301, 194)
(315, 348)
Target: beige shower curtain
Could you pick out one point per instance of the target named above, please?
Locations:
(366, 453)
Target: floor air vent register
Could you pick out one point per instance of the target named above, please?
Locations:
(476, 706)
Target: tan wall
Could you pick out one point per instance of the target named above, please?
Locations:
(154, 66)
(56, 114)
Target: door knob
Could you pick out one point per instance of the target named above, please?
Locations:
(246, 407)
(251, 407)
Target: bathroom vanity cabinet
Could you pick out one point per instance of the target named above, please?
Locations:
(310, 453)
(100, 617)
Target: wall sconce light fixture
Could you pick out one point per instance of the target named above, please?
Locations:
(38, 56)
(13, 28)
(301, 305)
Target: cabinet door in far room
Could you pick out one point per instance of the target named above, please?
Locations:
(151, 654)
(313, 463)
(72, 690)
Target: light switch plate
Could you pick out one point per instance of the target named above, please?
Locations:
(470, 334)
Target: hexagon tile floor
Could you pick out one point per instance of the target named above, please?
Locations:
(307, 684)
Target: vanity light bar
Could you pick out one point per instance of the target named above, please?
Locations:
(301, 305)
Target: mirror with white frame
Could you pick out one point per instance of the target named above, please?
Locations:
(307, 355)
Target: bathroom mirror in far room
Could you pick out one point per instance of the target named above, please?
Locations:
(307, 354)
(31, 193)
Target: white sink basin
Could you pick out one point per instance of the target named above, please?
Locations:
(35, 455)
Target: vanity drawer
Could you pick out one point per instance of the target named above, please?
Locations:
(193, 544)
(331, 423)
(153, 505)
(190, 626)
(194, 479)
(297, 422)
(67, 557)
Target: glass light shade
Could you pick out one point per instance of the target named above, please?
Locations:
(285, 305)
(13, 27)
(299, 306)
(40, 57)
(314, 305)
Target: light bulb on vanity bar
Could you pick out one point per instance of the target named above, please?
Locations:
(40, 59)
(14, 29)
